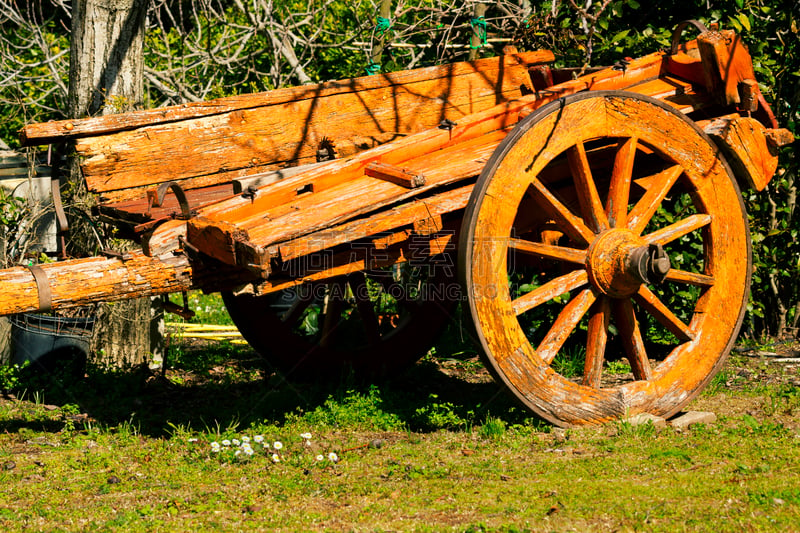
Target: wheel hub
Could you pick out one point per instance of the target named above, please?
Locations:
(619, 261)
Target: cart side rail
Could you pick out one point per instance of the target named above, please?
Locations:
(205, 144)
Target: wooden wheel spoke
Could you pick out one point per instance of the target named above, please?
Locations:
(620, 186)
(571, 225)
(647, 205)
(295, 312)
(551, 289)
(596, 338)
(366, 310)
(548, 251)
(632, 339)
(650, 302)
(594, 215)
(690, 278)
(678, 229)
(565, 324)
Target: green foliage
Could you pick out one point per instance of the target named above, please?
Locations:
(493, 428)
(438, 414)
(11, 376)
(351, 408)
(43, 67)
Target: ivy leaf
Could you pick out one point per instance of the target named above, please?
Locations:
(744, 21)
(619, 36)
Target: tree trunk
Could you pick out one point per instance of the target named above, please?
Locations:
(106, 76)
(107, 64)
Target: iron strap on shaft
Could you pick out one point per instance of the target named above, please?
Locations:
(678, 32)
(42, 288)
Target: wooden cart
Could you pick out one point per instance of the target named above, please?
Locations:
(581, 220)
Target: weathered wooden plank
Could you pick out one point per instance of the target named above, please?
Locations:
(55, 131)
(268, 178)
(235, 144)
(96, 279)
(753, 158)
(442, 155)
(362, 194)
(726, 64)
(393, 174)
(682, 95)
(548, 251)
(380, 223)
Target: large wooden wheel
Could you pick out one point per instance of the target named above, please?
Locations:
(606, 257)
(372, 324)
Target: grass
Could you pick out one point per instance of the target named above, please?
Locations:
(428, 451)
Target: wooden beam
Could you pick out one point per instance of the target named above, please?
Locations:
(396, 175)
(96, 279)
(61, 130)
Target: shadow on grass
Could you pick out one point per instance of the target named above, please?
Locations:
(242, 390)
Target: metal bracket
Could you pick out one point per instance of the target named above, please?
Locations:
(191, 251)
(447, 124)
(250, 192)
(678, 32)
(62, 225)
(42, 288)
(176, 309)
(326, 151)
(156, 199)
(124, 256)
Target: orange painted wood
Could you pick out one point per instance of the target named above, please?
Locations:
(383, 222)
(635, 140)
(564, 324)
(632, 339)
(393, 174)
(596, 339)
(55, 131)
(594, 215)
(220, 147)
(747, 148)
(95, 279)
(342, 192)
(682, 95)
(687, 65)
(726, 64)
(677, 230)
(548, 251)
(548, 291)
(619, 187)
(690, 278)
(650, 302)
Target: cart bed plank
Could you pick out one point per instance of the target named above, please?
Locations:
(356, 115)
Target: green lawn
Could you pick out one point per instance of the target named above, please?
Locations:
(440, 448)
